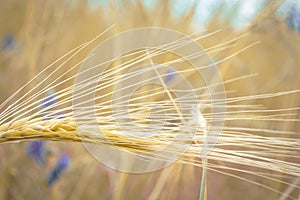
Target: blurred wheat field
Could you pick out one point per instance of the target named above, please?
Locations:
(256, 155)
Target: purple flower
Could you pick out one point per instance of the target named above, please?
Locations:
(36, 150)
(61, 165)
(170, 75)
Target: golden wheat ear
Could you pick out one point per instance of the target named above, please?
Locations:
(46, 112)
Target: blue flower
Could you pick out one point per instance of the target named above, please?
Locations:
(36, 150)
(8, 41)
(170, 75)
(46, 104)
(293, 18)
(50, 100)
(61, 165)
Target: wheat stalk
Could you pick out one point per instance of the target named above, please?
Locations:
(21, 121)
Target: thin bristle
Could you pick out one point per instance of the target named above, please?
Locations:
(204, 109)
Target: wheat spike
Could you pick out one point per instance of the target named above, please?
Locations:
(23, 120)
